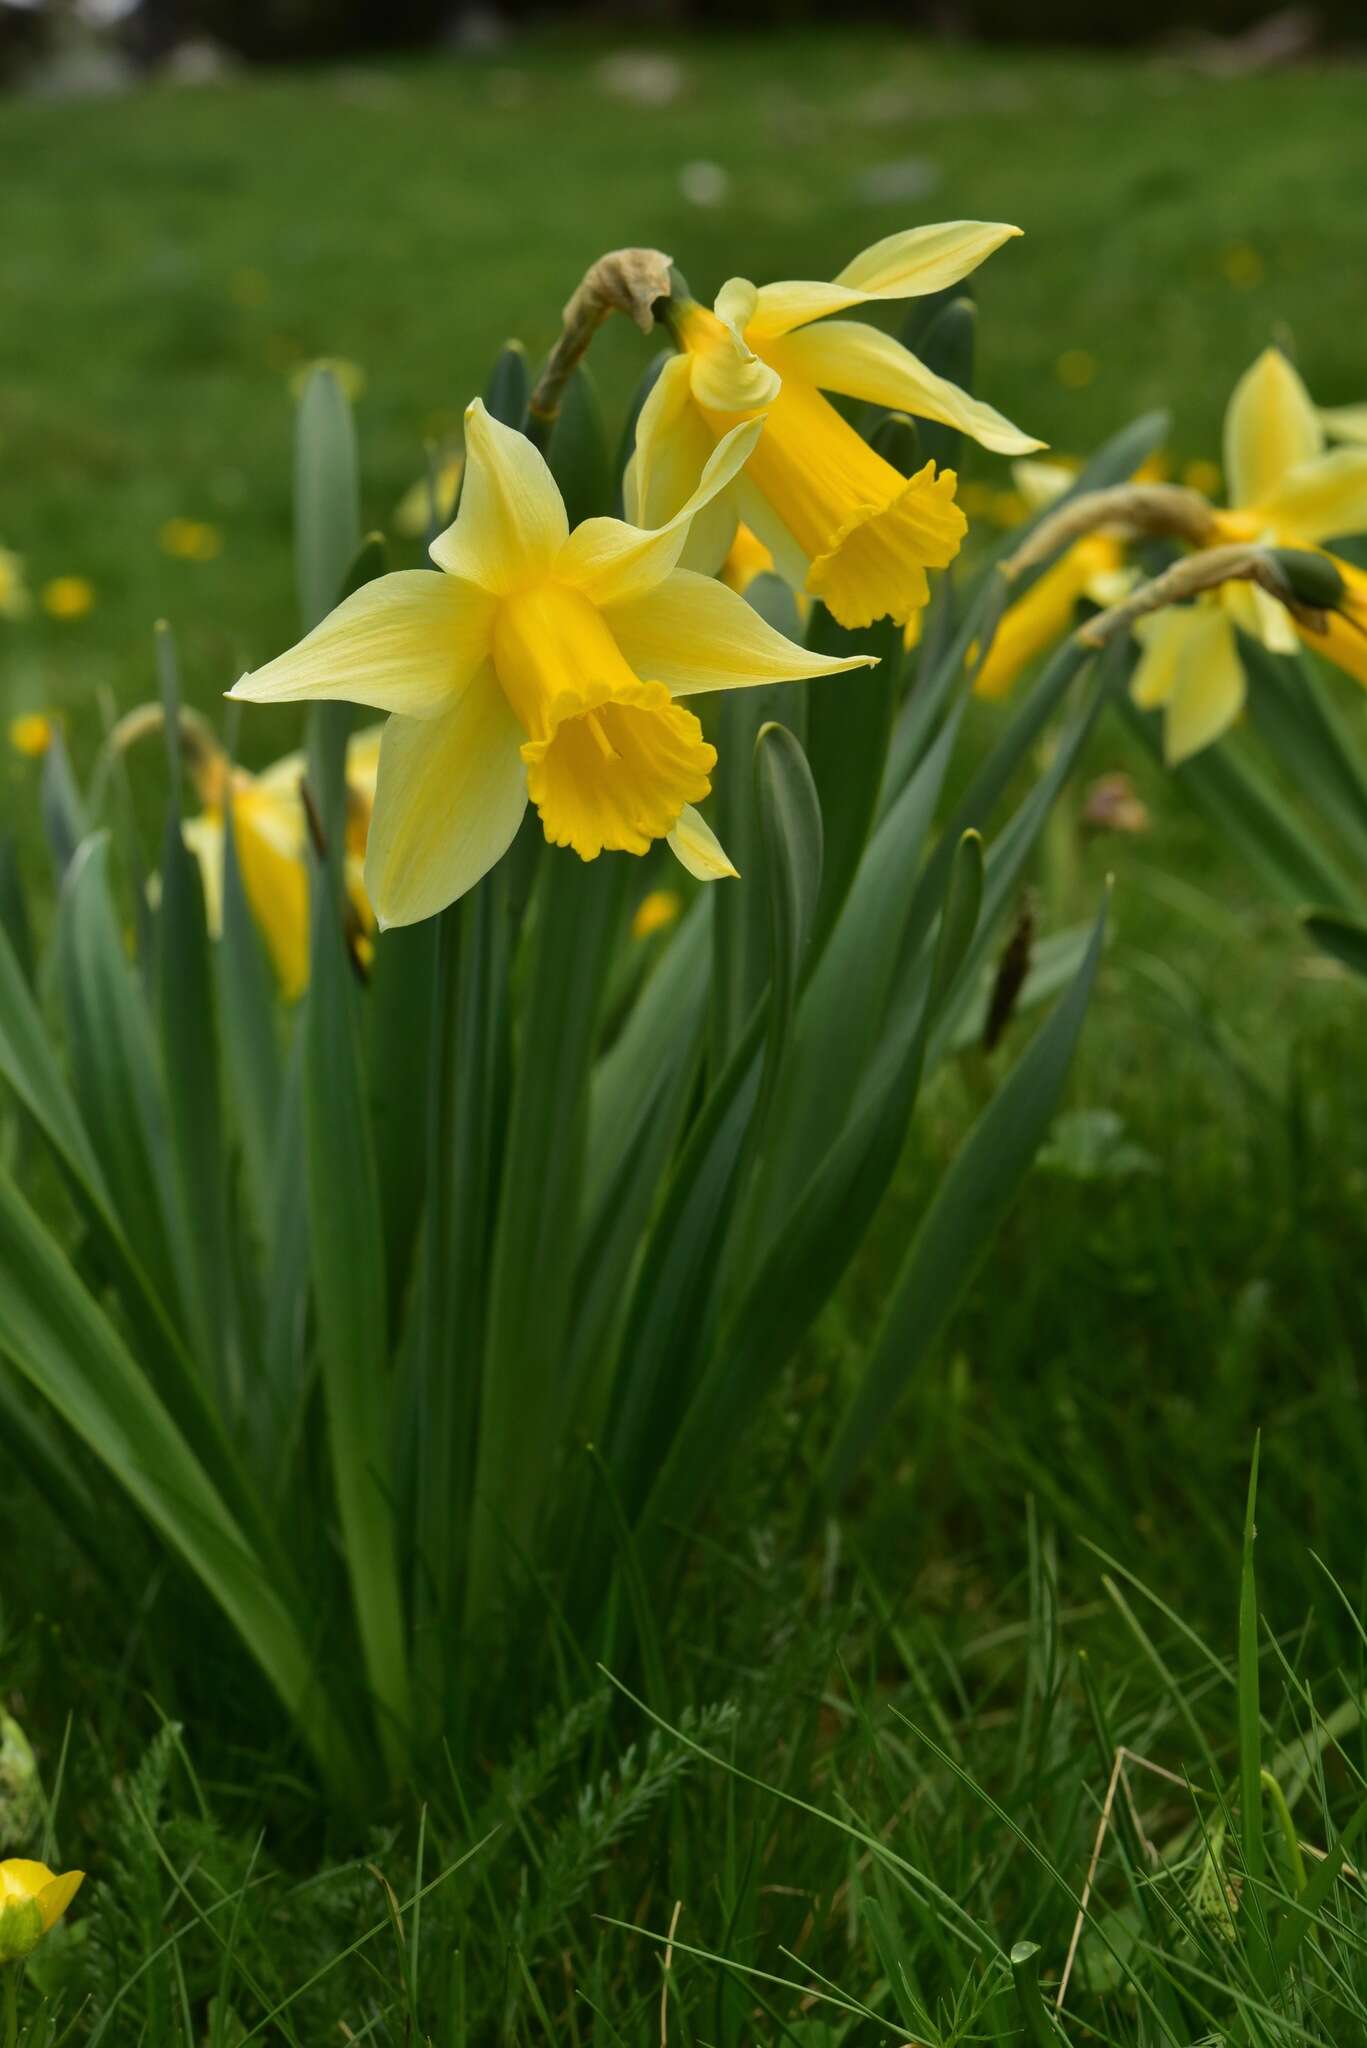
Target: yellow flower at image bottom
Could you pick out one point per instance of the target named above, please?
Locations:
(32, 1901)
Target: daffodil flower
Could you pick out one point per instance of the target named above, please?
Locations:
(543, 665)
(270, 837)
(1285, 490)
(840, 521)
(32, 1901)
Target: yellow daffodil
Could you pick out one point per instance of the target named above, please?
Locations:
(840, 521)
(190, 540)
(1344, 422)
(655, 912)
(32, 1901)
(543, 665)
(14, 597)
(1285, 490)
(31, 734)
(1344, 639)
(270, 834)
(414, 513)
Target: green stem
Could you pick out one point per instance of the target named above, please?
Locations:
(11, 1976)
(1277, 1800)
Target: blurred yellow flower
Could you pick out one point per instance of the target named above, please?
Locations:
(415, 515)
(1093, 567)
(190, 540)
(840, 522)
(68, 597)
(14, 597)
(270, 837)
(1242, 266)
(31, 734)
(1344, 640)
(655, 912)
(1285, 490)
(1204, 476)
(32, 1901)
(1344, 422)
(349, 375)
(544, 665)
(1076, 368)
(746, 558)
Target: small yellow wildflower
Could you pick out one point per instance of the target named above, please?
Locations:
(655, 912)
(544, 666)
(14, 597)
(31, 734)
(1285, 490)
(1076, 368)
(1243, 267)
(190, 540)
(841, 522)
(68, 597)
(1204, 476)
(32, 1901)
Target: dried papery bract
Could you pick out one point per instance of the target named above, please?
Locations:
(1164, 511)
(630, 281)
(1293, 578)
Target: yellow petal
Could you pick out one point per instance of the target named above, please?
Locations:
(860, 361)
(511, 520)
(1270, 428)
(204, 837)
(1322, 500)
(22, 1878)
(696, 847)
(725, 372)
(1259, 615)
(56, 1896)
(903, 266)
(671, 448)
(1163, 636)
(609, 561)
(1208, 693)
(692, 633)
(408, 642)
(1344, 639)
(269, 843)
(450, 797)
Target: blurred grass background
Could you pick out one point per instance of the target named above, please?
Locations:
(175, 254)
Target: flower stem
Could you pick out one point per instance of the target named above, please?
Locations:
(11, 1976)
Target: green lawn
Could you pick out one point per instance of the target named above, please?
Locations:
(173, 255)
(953, 1669)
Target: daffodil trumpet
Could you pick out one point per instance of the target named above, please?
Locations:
(840, 521)
(542, 666)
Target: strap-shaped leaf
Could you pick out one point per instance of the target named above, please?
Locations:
(960, 1224)
(849, 726)
(791, 835)
(327, 495)
(64, 1346)
(1345, 938)
(349, 1299)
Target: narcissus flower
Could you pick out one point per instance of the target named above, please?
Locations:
(413, 515)
(1093, 568)
(270, 836)
(1344, 639)
(840, 521)
(32, 1901)
(68, 597)
(655, 913)
(1285, 491)
(543, 665)
(31, 734)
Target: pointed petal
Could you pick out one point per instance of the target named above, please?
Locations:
(692, 633)
(1270, 428)
(903, 266)
(1258, 614)
(862, 362)
(57, 1895)
(511, 520)
(408, 642)
(671, 448)
(1210, 689)
(609, 561)
(449, 800)
(1163, 636)
(1322, 500)
(726, 374)
(696, 847)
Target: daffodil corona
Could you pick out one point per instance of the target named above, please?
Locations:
(1286, 491)
(840, 521)
(543, 665)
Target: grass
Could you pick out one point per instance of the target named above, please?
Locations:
(1048, 1565)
